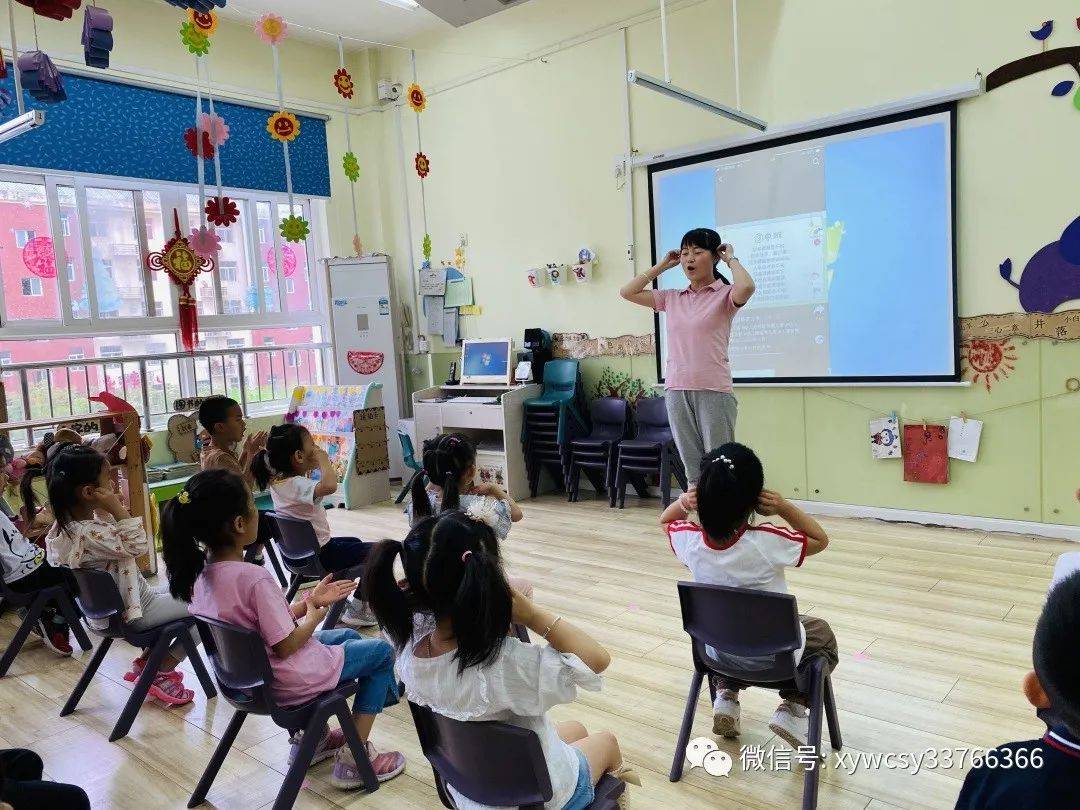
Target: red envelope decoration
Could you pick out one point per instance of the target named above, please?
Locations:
(926, 454)
(365, 362)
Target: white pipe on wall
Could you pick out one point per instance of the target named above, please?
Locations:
(627, 166)
(414, 304)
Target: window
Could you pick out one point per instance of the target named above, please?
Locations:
(99, 230)
(290, 286)
(5, 358)
(268, 341)
(65, 224)
(228, 271)
(291, 359)
(76, 354)
(234, 343)
(69, 271)
(38, 376)
(32, 286)
(118, 268)
(22, 237)
(233, 306)
(111, 351)
(159, 309)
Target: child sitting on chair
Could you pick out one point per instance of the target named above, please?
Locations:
(459, 660)
(285, 467)
(450, 465)
(205, 530)
(728, 549)
(1044, 772)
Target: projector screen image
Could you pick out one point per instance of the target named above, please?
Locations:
(848, 235)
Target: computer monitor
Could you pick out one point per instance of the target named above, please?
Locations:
(486, 361)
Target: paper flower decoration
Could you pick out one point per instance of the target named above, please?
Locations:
(423, 165)
(288, 260)
(426, 247)
(214, 125)
(283, 126)
(271, 29)
(194, 40)
(39, 256)
(352, 166)
(221, 211)
(204, 22)
(205, 242)
(192, 141)
(417, 99)
(343, 83)
(294, 228)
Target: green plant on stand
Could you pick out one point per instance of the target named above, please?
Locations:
(620, 384)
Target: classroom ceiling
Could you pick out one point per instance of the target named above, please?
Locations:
(371, 20)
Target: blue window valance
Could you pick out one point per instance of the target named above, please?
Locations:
(106, 127)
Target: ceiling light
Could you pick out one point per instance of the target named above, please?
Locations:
(412, 5)
(673, 91)
(21, 125)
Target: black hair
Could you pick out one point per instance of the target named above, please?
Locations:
(445, 459)
(214, 411)
(48, 448)
(282, 443)
(461, 579)
(706, 239)
(71, 467)
(198, 520)
(1054, 650)
(728, 489)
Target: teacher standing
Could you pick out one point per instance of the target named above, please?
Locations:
(701, 403)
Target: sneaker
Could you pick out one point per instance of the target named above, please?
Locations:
(726, 714)
(168, 687)
(330, 744)
(357, 615)
(346, 775)
(56, 639)
(791, 722)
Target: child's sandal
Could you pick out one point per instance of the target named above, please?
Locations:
(626, 773)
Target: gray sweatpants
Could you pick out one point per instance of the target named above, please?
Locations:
(158, 608)
(700, 421)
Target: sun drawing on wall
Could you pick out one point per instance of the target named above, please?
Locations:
(988, 360)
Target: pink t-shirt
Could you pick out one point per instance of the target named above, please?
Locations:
(248, 596)
(698, 330)
(295, 497)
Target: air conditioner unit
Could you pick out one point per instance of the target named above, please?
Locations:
(463, 12)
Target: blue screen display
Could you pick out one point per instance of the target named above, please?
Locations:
(849, 239)
(486, 359)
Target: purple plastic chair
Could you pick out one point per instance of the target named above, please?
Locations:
(594, 454)
(99, 599)
(651, 452)
(35, 603)
(493, 763)
(300, 554)
(242, 670)
(761, 625)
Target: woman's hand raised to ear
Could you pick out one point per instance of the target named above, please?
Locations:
(671, 259)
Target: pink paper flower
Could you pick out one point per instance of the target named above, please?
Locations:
(271, 29)
(205, 242)
(214, 126)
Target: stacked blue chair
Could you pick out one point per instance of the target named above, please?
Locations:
(595, 454)
(552, 421)
(651, 452)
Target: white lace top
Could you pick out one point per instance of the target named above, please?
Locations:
(518, 687)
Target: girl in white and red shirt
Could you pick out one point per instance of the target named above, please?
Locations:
(727, 548)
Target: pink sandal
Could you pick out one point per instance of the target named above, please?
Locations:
(168, 687)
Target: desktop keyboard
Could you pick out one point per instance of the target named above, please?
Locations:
(475, 400)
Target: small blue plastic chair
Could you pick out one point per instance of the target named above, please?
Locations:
(408, 453)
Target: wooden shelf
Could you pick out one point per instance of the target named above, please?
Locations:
(63, 420)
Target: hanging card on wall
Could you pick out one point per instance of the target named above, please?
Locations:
(433, 281)
(964, 437)
(433, 310)
(450, 327)
(458, 292)
(926, 454)
(885, 437)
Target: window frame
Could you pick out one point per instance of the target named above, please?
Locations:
(173, 195)
(40, 287)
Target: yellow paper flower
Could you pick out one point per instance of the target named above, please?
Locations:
(283, 126)
(417, 99)
(205, 23)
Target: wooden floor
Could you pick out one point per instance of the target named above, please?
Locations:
(934, 627)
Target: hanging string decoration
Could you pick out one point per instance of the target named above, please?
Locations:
(343, 83)
(194, 40)
(271, 29)
(221, 211)
(197, 139)
(294, 228)
(423, 165)
(205, 22)
(283, 126)
(352, 167)
(417, 99)
(53, 9)
(214, 126)
(97, 37)
(182, 264)
(205, 242)
(40, 78)
(288, 260)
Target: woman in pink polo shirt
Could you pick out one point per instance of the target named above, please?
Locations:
(701, 405)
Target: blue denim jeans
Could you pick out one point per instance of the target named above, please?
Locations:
(370, 661)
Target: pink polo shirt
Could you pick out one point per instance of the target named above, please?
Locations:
(698, 330)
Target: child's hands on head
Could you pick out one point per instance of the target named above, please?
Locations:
(329, 592)
(770, 503)
(522, 608)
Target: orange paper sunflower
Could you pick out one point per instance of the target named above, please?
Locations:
(423, 165)
(417, 99)
(343, 83)
(283, 126)
(206, 24)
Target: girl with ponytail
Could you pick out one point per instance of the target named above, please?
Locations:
(285, 467)
(462, 664)
(727, 548)
(204, 532)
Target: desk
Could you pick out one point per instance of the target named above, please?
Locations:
(496, 428)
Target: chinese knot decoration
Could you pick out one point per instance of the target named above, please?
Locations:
(182, 265)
